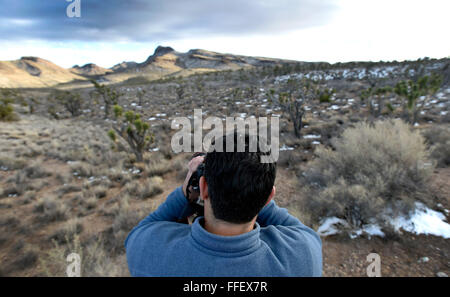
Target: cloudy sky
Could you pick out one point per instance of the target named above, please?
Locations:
(112, 31)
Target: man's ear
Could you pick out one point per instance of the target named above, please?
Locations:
(272, 194)
(203, 188)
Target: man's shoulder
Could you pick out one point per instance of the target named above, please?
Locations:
(158, 233)
(298, 248)
(293, 243)
(293, 233)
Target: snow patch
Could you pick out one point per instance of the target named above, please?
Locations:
(328, 226)
(423, 221)
(286, 148)
(311, 136)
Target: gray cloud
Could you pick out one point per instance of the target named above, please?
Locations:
(153, 20)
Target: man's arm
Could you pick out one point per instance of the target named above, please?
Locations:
(176, 206)
(272, 216)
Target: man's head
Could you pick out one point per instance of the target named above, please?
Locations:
(238, 183)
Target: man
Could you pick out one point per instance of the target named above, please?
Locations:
(242, 233)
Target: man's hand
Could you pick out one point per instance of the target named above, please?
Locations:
(192, 166)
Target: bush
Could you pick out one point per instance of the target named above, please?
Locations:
(439, 140)
(125, 219)
(6, 110)
(7, 113)
(35, 171)
(67, 232)
(96, 260)
(158, 167)
(8, 163)
(373, 167)
(27, 260)
(50, 209)
(148, 189)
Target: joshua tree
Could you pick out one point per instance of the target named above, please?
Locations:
(133, 130)
(109, 96)
(141, 95)
(179, 90)
(411, 91)
(379, 95)
(71, 101)
(294, 95)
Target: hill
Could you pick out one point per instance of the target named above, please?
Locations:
(33, 72)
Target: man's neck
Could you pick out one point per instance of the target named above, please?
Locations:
(227, 229)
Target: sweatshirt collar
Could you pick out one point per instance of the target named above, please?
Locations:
(226, 245)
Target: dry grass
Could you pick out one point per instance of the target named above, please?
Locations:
(125, 219)
(50, 209)
(371, 168)
(26, 260)
(10, 163)
(146, 189)
(96, 259)
(68, 231)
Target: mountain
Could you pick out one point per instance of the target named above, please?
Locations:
(123, 66)
(33, 72)
(170, 60)
(166, 61)
(90, 70)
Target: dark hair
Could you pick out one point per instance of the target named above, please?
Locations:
(239, 184)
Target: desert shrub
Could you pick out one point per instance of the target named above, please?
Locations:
(438, 137)
(35, 171)
(100, 191)
(147, 189)
(3, 239)
(64, 178)
(326, 95)
(96, 260)
(290, 159)
(8, 163)
(28, 197)
(120, 176)
(9, 222)
(17, 185)
(65, 189)
(125, 219)
(18, 246)
(89, 200)
(158, 166)
(83, 169)
(24, 261)
(6, 109)
(36, 185)
(372, 167)
(6, 112)
(68, 231)
(50, 209)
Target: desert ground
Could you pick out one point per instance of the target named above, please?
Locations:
(66, 186)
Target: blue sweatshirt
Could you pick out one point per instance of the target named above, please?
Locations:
(279, 245)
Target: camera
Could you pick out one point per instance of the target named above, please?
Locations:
(193, 188)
